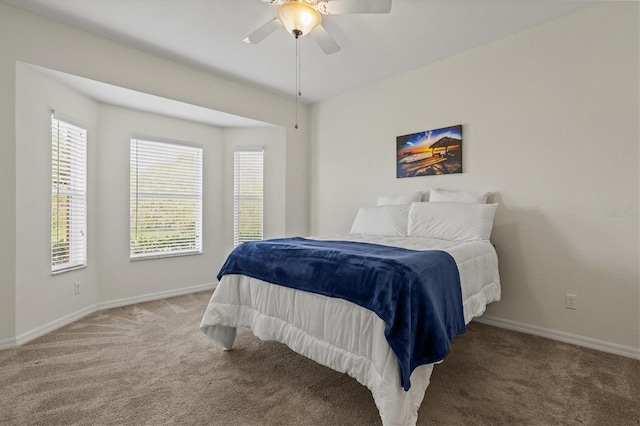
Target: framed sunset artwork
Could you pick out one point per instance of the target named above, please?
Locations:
(431, 152)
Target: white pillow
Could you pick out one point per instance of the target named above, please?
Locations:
(451, 221)
(441, 195)
(388, 221)
(399, 199)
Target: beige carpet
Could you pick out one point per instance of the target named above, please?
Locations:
(149, 364)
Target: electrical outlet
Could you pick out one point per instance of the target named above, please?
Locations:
(571, 301)
(76, 287)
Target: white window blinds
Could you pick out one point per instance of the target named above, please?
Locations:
(166, 199)
(248, 194)
(68, 194)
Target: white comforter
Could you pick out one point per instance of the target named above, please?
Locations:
(344, 336)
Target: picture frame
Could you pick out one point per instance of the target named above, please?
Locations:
(430, 152)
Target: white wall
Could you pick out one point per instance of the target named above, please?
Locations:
(40, 296)
(119, 277)
(110, 277)
(25, 37)
(550, 123)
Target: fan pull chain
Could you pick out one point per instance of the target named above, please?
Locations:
(298, 93)
(299, 69)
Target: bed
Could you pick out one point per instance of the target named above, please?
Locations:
(350, 338)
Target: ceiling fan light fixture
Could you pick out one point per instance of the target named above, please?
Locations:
(298, 18)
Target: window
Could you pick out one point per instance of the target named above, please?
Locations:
(166, 198)
(247, 194)
(68, 194)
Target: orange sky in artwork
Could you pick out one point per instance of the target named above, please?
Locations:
(422, 141)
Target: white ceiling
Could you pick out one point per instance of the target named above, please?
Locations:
(208, 34)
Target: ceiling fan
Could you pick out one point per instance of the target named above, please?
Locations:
(302, 17)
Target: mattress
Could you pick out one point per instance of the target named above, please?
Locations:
(342, 335)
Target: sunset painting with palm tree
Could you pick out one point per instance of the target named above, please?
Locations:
(432, 152)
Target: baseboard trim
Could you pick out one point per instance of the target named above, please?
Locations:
(7, 343)
(155, 296)
(30, 335)
(600, 345)
(561, 336)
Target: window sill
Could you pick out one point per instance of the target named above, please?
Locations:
(69, 269)
(161, 256)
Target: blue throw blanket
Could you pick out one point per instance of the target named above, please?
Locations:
(416, 293)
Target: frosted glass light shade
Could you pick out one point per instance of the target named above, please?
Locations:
(298, 18)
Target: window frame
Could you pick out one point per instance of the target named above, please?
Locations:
(238, 151)
(76, 135)
(136, 194)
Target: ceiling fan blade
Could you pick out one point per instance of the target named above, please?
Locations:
(341, 7)
(261, 33)
(324, 40)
